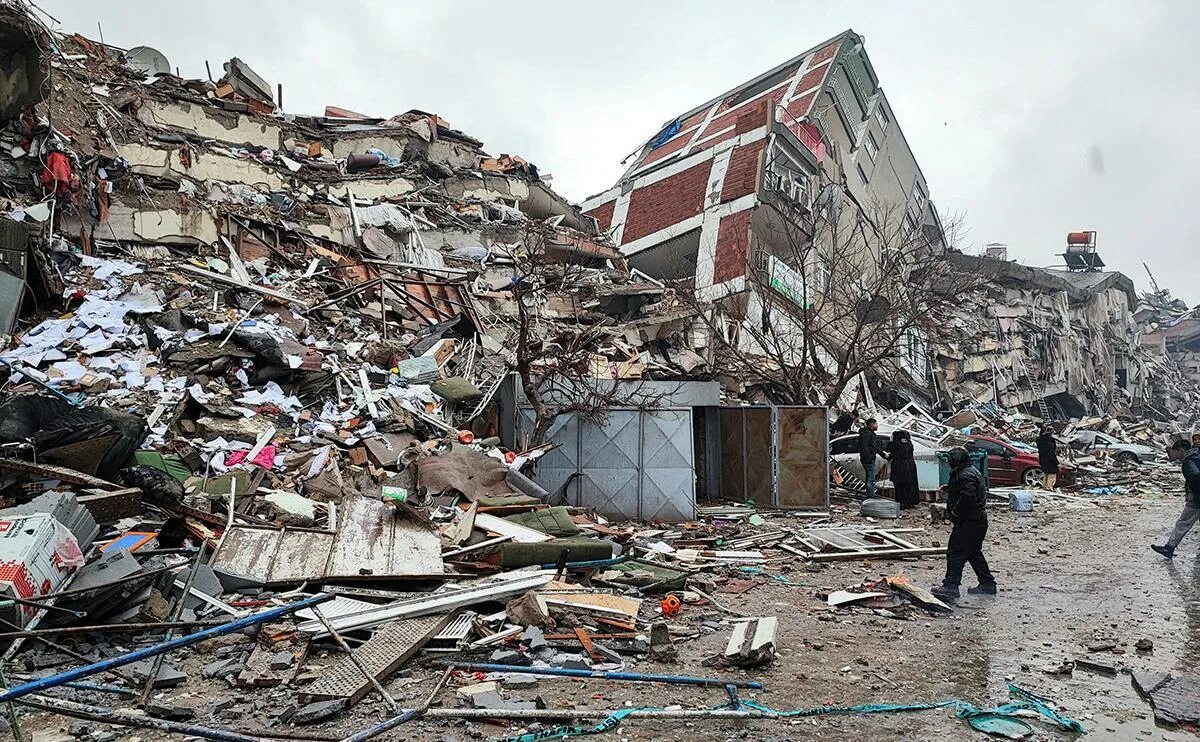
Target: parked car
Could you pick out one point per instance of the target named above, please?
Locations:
(1010, 465)
(844, 450)
(1130, 452)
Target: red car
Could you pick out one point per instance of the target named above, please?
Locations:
(1010, 466)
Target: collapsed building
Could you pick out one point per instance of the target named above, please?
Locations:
(1036, 338)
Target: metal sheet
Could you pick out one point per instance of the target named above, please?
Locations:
(247, 552)
(803, 468)
(371, 542)
(299, 555)
(12, 290)
(637, 464)
(668, 491)
(383, 654)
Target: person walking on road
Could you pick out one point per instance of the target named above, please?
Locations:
(868, 451)
(1047, 457)
(1188, 457)
(904, 469)
(966, 508)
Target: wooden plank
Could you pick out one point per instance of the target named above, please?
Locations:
(838, 540)
(838, 556)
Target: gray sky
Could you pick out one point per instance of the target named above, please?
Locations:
(1029, 119)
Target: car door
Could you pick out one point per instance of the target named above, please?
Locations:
(844, 451)
(1001, 469)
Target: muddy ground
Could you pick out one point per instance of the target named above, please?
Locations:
(1070, 576)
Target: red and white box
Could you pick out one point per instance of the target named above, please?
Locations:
(37, 553)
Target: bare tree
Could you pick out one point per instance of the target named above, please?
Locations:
(838, 288)
(564, 353)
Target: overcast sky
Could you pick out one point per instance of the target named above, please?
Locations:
(1028, 119)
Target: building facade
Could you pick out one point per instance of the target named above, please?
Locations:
(816, 129)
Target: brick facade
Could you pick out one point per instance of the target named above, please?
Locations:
(733, 246)
(603, 215)
(669, 201)
(741, 179)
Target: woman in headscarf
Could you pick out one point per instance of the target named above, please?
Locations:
(904, 469)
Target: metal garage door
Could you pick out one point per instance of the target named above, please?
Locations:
(637, 464)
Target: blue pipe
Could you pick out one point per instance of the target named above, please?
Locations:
(183, 641)
(632, 676)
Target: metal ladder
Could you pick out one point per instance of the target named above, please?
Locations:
(1039, 389)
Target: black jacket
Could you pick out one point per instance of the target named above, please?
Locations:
(966, 499)
(1191, 475)
(904, 463)
(1047, 453)
(868, 446)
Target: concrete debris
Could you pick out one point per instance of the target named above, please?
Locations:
(249, 355)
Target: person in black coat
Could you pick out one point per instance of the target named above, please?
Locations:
(904, 469)
(1047, 457)
(868, 450)
(966, 507)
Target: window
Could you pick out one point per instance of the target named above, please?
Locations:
(862, 174)
(849, 444)
(822, 275)
(909, 224)
(992, 449)
(881, 116)
(872, 147)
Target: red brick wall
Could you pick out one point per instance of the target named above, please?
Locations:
(811, 79)
(741, 179)
(826, 53)
(733, 245)
(678, 142)
(603, 215)
(669, 201)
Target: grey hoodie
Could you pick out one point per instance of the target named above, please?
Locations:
(1191, 475)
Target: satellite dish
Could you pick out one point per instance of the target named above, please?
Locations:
(147, 60)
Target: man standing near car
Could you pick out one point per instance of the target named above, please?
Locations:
(966, 508)
(1047, 457)
(868, 451)
(1188, 456)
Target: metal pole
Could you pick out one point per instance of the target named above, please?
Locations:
(404, 716)
(115, 628)
(176, 612)
(184, 641)
(444, 713)
(636, 677)
(110, 716)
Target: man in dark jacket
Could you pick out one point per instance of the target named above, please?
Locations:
(868, 450)
(966, 507)
(1189, 458)
(1047, 457)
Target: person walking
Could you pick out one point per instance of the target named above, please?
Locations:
(1188, 457)
(868, 451)
(1047, 457)
(904, 469)
(966, 508)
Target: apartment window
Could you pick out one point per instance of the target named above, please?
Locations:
(872, 147)
(862, 174)
(822, 274)
(881, 116)
(909, 224)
